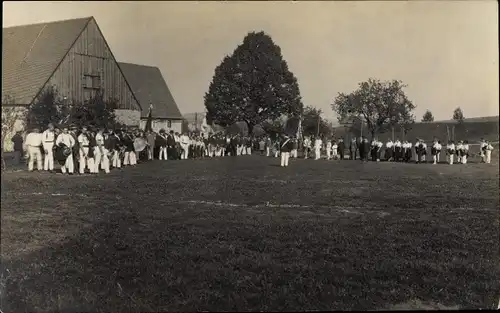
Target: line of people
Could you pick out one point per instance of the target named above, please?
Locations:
(375, 150)
(91, 150)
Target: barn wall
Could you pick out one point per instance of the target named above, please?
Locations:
(88, 67)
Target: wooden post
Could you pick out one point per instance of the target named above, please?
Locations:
(447, 133)
(392, 127)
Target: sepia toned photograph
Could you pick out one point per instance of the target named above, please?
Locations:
(249, 156)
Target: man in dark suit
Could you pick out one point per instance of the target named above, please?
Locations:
(171, 146)
(341, 148)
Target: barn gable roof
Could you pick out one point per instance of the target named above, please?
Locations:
(32, 53)
(149, 87)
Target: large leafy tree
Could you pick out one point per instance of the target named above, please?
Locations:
(428, 117)
(380, 104)
(253, 85)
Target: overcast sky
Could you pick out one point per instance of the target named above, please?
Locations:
(446, 51)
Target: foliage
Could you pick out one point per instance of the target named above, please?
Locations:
(310, 120)
(458, 115)
(428, 117)
(379, 104)
(252, 85)
(10, 117)
(96, 112)
(50, 108)
(273, 127)
(47, 108)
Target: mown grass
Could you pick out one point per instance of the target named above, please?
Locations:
(244, 234)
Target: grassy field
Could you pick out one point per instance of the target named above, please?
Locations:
(244, 234)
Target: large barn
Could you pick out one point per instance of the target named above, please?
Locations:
(151, 90)
(73, 57)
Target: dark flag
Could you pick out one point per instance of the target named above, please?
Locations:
(149, 121)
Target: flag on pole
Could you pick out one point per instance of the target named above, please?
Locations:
(149, 121)
(299, 129)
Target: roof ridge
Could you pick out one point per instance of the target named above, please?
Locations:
(51, 22)
(144, 65)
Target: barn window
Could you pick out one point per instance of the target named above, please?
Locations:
(96, 82)
(169, 123)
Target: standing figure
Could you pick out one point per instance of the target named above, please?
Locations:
(17, 140)
(249, 145)
(328, 149)
(341, 148)
(295, 147)
(86, 161)
(466, 152)
(307, 147)
(162, 145)
(482, 148)
(424, 151)
(48, 138)
(184, 140)
(151, 138)
(353, 147)
(460, 151)
(436, 151)
(364, 148)
(285, 148)
(114, 148)
(33, 144)
(66, 142)
(129, 157)
(397, 150)
(373, 150)
(262, 146)
(171, 152)
(380, 144)
(450, 151)
(318, 144)
(487, 151)
(335, 148)
(389, 151)
(100, 153)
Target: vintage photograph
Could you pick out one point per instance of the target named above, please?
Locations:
(246, 156)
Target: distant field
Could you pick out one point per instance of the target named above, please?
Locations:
(243, 234)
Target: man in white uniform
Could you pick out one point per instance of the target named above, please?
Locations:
(184, 140)
(488, 149)
(318, 143)
(33, 143)
(482, 148)
(66, 138)
(100, 153)
(48, 139)
(328, 149)
(85, 159)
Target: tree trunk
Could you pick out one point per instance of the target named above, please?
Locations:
(250, 128)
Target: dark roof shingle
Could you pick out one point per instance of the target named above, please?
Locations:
(148, 86)
(31, 54)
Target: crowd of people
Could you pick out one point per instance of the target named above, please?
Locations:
(397, 151)
(90, 150)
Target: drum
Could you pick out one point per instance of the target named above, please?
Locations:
(140, 144)
(62, 153)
